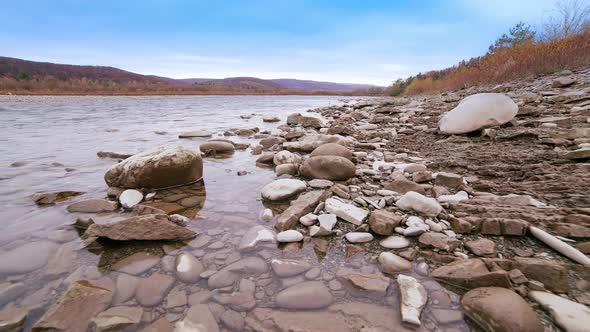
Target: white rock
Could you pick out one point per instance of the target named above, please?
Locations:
(477, 112)
(308, 219)
(413, 201)
(289, 236)
(286, 157)
(560, 246)
(345, 211)
(254, 236)
(392, 263)
(569, 315)
(395, 242)
(358, 237)
(456, 198)
(282, 189)
(413, 231)
(413, 298)
(318, 231)
(327, 221)
(266, 215)
(434, 226)
(130, 198)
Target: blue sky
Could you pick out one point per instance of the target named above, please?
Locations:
(342, 41)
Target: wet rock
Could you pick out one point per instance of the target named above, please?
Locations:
(12, 319)
(235, 271)
(345, 211)
(256, 235)
(304, 204)
(130, 198)
(394, 242)
(232, 320)
(10, 291)
(305, 296)
(288, 268)
(148, 227)
(117, 318)
(125, 286)
(477, 112)
(26, 258)
(413, 201)
(266, 215)
(471, 273)
(333, 168)
(481, 247)
(358, 237)
(500, 309)
(161, 325)
(195, 133)
(320, 184)
(198, 318)
(290, 235)
(216, 147)
(282, 189)
(383, 222)
(439, 240)
(373, 283)
(188, 268)
(569, 315)
(113, 155)
(286, 157)
(332, 149)
(160, 167)
(75, 310)
(93, 206)
(151, 291)
(413, 298)
(270, 118)
(49, 198)
(392, 263)
(136, 264)
(403, 186)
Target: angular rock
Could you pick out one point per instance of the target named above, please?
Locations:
(392, 263)
(333, 168)
(477, 112)
(345, 211)
(413, 298)
(569, 315)
(332, 149)
(305, 296)
(303, 205)
(93, 206)
(235, 271)
(256, 235)
(148, 227)
(500, 309)
(413, 201)
(282, 189)
(439, 240)
(117, 318)
(13, 319)
(151, 291)
(403, 186)
(383, 222)
(373, 283)
(471, 273)
(198, 319)
(481, 247)
(160, 167)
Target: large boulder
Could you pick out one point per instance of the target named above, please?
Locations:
(477, 112)
(148, 227)
(161, 167)
(500, 309)
(332, 149)
(328, 168)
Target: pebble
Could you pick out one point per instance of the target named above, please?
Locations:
(359, 237)
(289, 236)
(130, 198)
(394, 242)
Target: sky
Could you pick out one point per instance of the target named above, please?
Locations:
(362, 41)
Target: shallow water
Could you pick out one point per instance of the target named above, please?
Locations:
(50, 144)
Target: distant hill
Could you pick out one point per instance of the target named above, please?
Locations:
(23, 76)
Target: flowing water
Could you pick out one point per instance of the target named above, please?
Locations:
(50, 144)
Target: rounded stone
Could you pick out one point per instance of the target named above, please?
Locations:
(394, 242)
(392, 263)
(282, 189)
(289, 236)
(130, 198)
(215, 147)
(359, 237)
(306, 295)
(286, 157)
(333, 168)
(332, 149)
(188, 268)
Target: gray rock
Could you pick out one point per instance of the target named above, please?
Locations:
(93, 206)
(256, 235)
(198, 318)
(151, 291)
(117, 318)
(26, 258)
(288, 268)
(306, 295)
(148, 227)
(235, 271)
(188, 268)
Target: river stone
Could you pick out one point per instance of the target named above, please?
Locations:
(148, 227)
(151, 291)
(290, 169)
(288, 268)
(332, 149)
(117, 318)
(10, 291)
(235, 271)
(75, 310)
(583, 153)
(373, 283)
(327, 221)
(471, 273)
(500, 310)
(271, 141)
(358, 237)
(304, 121)
(477, 112)
(348, 212)
(282, 189)
(286, 157)
(12, 319)
(383, 222)
(130, 198)
(413, 298)
(413, 201)
(320, 184)
(394, 242)
(439, 240)
(304, 204)
(290, 235)
(254, 236)
(481, 247)
(392, 263)
(233, 320)
(188, 268)
(403, 186)
(333, 168)
(53, 197)
(136, 264)
(161, 167)
(26, 258)
(161, 325)
(125, 286)
(195, 133)
(270, 118)
(198, 319)
(305, 296)
(569, 315)
(93, 206)
(215, 147)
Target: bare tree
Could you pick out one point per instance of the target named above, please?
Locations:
(569, 17)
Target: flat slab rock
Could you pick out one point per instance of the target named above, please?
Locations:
(148, 227)
(306, 295)
(569, 315)
(345, 211)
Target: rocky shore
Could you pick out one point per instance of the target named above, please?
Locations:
(460, 211)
